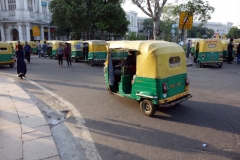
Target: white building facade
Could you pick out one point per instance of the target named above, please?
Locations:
(17, 17)
(218, 27)
(132, 18)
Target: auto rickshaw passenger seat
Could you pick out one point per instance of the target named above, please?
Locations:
(126, 83)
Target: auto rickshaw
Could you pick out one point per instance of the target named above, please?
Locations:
(225, 49)
(76, 50)
(54, 45)
(208, 52)
(33, 46)
(192, 50)
(14, 45)
(95, 51)
(6, 54)
(157, 79)
(236, 42)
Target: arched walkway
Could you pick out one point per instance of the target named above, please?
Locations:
(15, 35)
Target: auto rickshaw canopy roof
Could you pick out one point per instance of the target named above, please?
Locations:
(76, 45)
(154, 58)
(209, 45)
(95, 42)
(5, 48)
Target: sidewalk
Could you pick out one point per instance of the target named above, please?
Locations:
(24, 132)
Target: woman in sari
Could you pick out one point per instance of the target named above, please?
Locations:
(21, 65)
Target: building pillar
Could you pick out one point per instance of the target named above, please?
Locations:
(7, 5)
(40, 9)
(49, 34)
(18, 5)
(20, 31)
(2, 32)
(40, 6)
(33, 5)
(3, 5)
(42, 33)
(25, 5)
(28, 31)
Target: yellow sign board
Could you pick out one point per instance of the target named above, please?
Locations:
(185, 19)
(36, 31)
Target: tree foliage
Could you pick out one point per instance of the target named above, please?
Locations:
(199, 9)
(234, 33)
(200, 32)
(89, 16)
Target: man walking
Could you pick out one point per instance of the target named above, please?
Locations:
(230, 50)
(44, 48)
(67, 53)
(188, 47)
(27, 50)
(39, 48)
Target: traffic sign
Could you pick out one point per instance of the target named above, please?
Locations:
(187, 18)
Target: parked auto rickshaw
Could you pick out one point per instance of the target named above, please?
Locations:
(6, 54)
(225, 49)
(76, 50)
(193, 45)
(95, 51)
(14, 44)
(54, 45)
(208, 52)
(158, 78)
(33, 46)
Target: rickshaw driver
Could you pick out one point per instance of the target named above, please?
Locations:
(130, 60)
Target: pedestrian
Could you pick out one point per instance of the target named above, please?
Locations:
(44, 49)
(238, 53)
(188, 47)
(27, 50)
(230, 51)
(67, 53)
(39, 48)
(60, 55)
(21, 65)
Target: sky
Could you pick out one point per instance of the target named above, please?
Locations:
(225, 10)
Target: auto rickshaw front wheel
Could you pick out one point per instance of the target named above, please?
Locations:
(147, 107)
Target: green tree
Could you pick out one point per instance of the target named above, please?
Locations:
(199, 9)
(112, 19)
(147, 24)
(200, 32)
(69, 14)
(234, 33)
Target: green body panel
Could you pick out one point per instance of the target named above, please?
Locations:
(53, 53)
(34, 50)
(225, 54)
(97, 57)
(149, 86)
(77, 54)
(209, 57)
(6, 58)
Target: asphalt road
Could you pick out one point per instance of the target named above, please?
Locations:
(120, 131)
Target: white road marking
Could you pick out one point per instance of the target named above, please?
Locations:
(86, 142)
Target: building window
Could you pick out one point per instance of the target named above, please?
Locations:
(11, 5)
(30, 5)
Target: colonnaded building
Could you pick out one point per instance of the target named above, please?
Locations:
(19, 17)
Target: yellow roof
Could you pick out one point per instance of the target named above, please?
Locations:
(98, 42)
(5, 44)
(153, 57)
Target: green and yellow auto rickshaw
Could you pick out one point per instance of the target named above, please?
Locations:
(208, 52)
(225, 49)
(53, 45)
(158, 78)
(33, 46)
(7, 57)
(14, 45)
(76, 50)
(95, 51)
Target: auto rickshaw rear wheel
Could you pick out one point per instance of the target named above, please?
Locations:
(219, 65)
(90, 62)
(147, 107)
(74, 60)
(12, 65)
